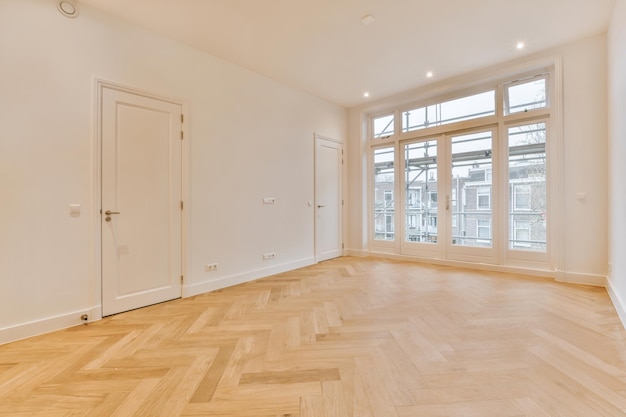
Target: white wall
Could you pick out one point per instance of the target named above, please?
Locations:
(617, 152)
(250, 137)
(585, 158)
(584, 134)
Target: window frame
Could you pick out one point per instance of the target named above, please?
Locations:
(439, 123)
(549, 67)
(392, 124)
(522, 81)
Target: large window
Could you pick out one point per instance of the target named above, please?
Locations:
(474, 179)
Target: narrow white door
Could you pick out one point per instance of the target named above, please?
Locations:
(328, 199)
(471, 198)
(141, 201)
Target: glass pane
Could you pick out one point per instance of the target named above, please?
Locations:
(471, 182)
(484, 198)
(527, 187)
(465, 108)
(522, 233)
(484, 229)
(384, 212)
(383, 126)
(527, 96)
(420, 185)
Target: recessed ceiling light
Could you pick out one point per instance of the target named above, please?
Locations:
(429, 74)
(68, 8)
(368, 19)
(520, 45)
(366, 94)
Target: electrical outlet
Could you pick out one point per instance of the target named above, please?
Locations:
(269, 255)
(210, 267)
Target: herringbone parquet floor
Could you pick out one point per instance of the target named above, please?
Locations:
(348, 337)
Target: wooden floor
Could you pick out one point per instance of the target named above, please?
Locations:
(348, 337)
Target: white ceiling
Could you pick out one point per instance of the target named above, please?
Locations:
(322, 47)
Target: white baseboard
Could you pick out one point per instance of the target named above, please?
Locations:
(223, 282)
(560, 276)
(465, 264)
(63, 321)
(47, 325)
(356, 253)
(50, 324)
(618, 302)
(585, 279)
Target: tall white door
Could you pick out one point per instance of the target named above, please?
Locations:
(141, 215)
(328, 199)
(471, 198)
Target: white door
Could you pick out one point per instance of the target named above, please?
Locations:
(471, 197)
(141, 215)
(449, 194)
(328, 199)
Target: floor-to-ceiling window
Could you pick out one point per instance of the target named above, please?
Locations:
(465, 178)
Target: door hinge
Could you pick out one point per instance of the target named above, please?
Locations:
(181, 279)
(182, 118)
(181, 135)
(181, 205)
(342, 202)
(342, 246)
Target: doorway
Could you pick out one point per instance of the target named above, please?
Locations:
(450, 194)
(328, 199)
(141, 199)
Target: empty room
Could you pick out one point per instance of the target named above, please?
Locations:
(382, 208)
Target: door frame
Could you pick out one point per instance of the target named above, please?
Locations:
(443, 249)
(96, 240)
(341, 231)
(497, 197)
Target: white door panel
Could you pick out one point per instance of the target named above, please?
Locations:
(141, 186)
(471, 197)
(328, 199)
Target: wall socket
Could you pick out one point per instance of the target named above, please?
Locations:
(210, 267)
(269, 255)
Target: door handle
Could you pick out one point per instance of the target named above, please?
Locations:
(109, 212)
(320, 206)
